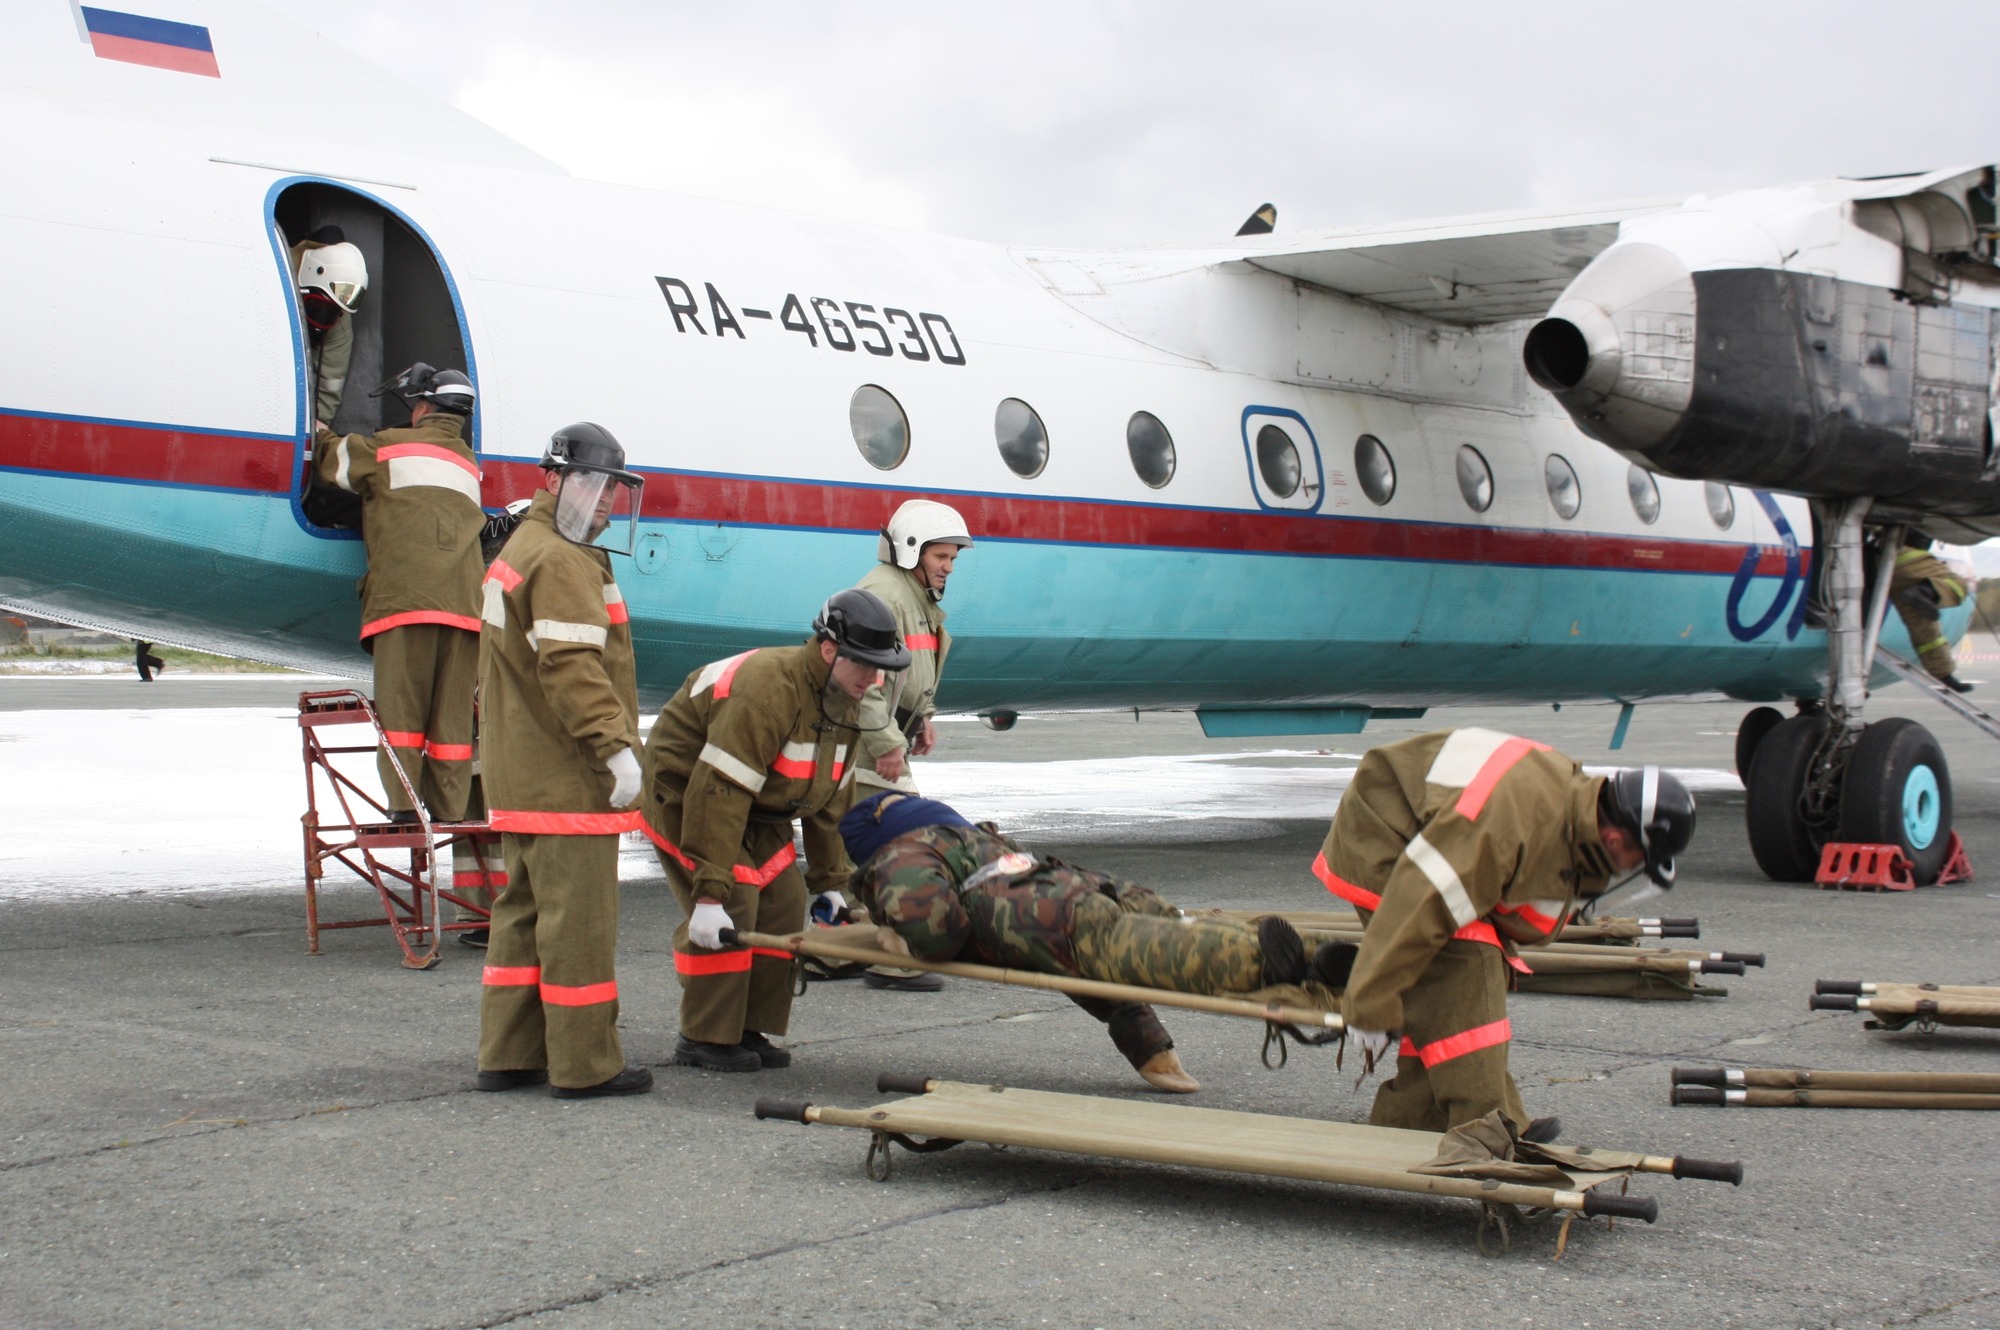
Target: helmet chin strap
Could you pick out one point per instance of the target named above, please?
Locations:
(1623, 888)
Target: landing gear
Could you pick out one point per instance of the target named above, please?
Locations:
(1828, 775)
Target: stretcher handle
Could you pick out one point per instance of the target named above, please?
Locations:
(1621, 1207)
(1835, 1002)
(726, 936)
(1700, 1094)
(1675, 923)
(1852, 986)
(1709, 1170)
(783, 1110)
(1753, 958)
(890, 1082)
(1722, 967)
(1700, 1076)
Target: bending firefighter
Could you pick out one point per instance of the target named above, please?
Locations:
(419, 492)
(942, 889)
(746, 748)
(559, 760)
(1456, 847)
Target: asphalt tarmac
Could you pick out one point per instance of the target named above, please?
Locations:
(200, 1125)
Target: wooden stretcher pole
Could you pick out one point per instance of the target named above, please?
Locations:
(1793, 1078)
(1755, 1097)
(807, 944)
(1943, 1008)
(1862, 988)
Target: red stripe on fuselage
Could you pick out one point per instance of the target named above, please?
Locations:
(218, 461)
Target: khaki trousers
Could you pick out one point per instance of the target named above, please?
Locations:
(1452, 1067)
(424, 678)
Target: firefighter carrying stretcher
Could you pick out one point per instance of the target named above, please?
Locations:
(943, 889)
(747, 747)
(1456, 847)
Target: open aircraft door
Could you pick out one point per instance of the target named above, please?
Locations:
(409, 312)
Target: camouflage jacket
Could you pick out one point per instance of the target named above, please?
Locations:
(1021, 914)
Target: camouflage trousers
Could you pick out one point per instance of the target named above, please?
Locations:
(1141, 940)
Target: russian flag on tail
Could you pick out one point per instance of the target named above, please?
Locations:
(139, 40)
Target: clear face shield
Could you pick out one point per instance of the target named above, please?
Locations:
(600, 508)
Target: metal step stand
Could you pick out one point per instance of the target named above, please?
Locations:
(1920, 679)
(346, 824)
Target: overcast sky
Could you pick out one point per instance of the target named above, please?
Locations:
(1114, 122)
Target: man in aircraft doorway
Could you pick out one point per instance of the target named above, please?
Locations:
(330, 275)
(916, 552)
(419, 491)
(1921, 586)
(1455, 848)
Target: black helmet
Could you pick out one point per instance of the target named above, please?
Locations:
(586, 447)
(861, 628)
(444, 389)
(1657, 809)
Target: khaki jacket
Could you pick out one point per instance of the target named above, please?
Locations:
(747, 746)
(420, 520)
(1463, 833)
(921, 624)
(329, 358)
(558, 694)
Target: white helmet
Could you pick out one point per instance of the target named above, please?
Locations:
(918, 523)
(338, 270)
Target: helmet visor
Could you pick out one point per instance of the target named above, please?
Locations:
(600, 508)
(346, 294)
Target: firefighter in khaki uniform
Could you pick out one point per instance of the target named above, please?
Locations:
(917, 550)
(419, 491)
(1456, 847)
(1921, 585)
(331, 276)
(745, 748)
(559, 760)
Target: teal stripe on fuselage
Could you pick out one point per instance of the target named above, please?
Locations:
(1035, 624)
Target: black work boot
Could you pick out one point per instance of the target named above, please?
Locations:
(1284, 951)
(1956, 684)
(715, 1057)
(769, 1056)
(1542, 1131)
(1333, 963)
(632, 1080)
(510, 1080)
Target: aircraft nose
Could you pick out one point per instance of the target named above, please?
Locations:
(1617, 351)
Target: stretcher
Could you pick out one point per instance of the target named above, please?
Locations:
(1599, 959)
(1781, 1087)
(1926, 1006)
(1569, 1181)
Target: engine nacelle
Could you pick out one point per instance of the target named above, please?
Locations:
(1834, 340)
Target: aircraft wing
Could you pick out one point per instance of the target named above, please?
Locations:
(1465, 270)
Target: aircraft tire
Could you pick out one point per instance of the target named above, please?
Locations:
(1785, 847)
(1752, 730)
(1898, 792)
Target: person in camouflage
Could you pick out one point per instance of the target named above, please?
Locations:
(941, 889)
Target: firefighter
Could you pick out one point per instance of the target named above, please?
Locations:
(916, 552)
(1456, 847)
(559, 761)
(941, 888)
(330, 276)
(1919, 588)
(748, 746)
(419, 493)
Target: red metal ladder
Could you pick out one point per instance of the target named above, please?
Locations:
(346, 824)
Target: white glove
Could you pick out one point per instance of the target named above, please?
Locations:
(624, 766)
(705, 925)
(1371, 1043)
(829, 907)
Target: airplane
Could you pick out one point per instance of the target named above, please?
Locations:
(1292, 481)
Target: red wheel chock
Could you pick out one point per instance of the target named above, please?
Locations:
(1957, 864)
(1856, 867)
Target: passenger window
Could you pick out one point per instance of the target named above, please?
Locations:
(1024, 444)
(1152, 448)
(1645, 492)
(1376, 468)
(1565, 494)
(1721, 504)
(881, 430)
(1475, 478)
(1278, 461)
